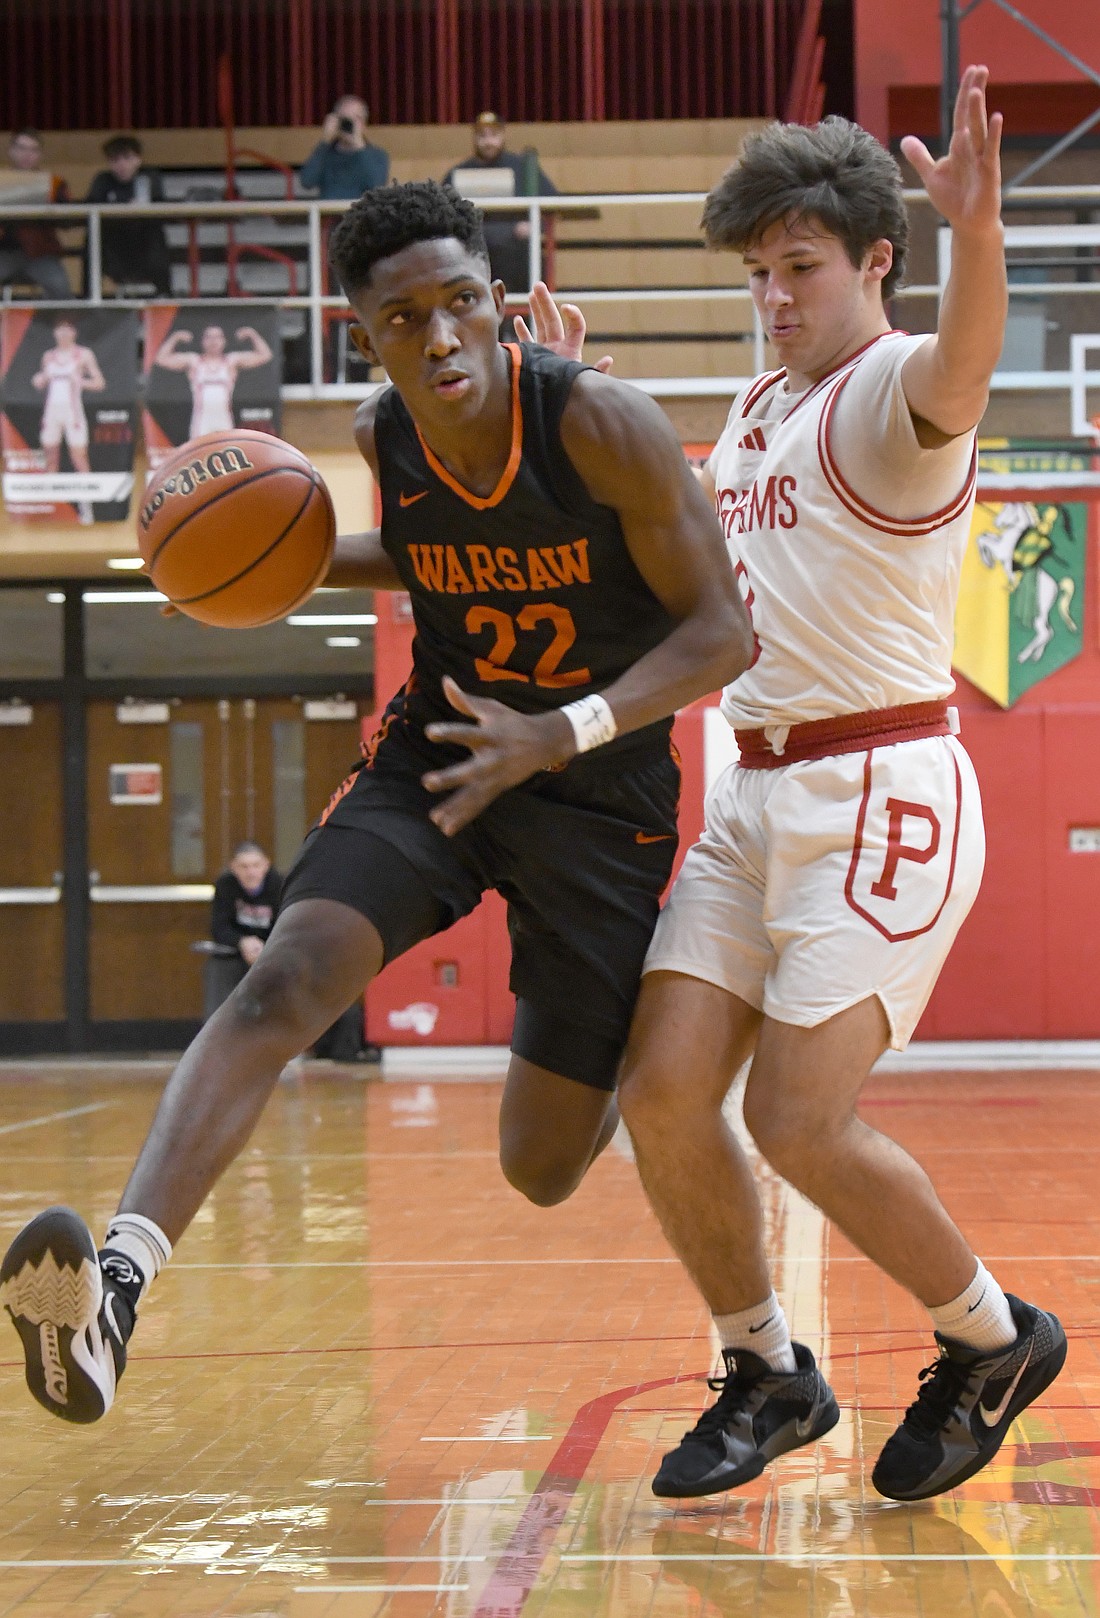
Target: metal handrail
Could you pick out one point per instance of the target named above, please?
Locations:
(317, 301)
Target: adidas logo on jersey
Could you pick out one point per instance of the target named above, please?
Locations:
(754, 440)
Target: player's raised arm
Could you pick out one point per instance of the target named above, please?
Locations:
(168, 355)
(257, 354)
(359, 562)
(946, 380)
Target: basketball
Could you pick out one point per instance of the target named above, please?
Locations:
(236, 529)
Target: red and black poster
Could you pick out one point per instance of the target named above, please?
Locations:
(209, 368)
(68, 395)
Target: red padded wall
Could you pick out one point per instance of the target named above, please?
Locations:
(1027, 961)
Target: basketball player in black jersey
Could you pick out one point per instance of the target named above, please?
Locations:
(571, 589)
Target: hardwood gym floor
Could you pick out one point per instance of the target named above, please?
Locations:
(374, 1381)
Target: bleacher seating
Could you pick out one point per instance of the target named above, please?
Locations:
(611, 248)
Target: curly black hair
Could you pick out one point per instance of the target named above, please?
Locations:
(391, 217)
(834, 172)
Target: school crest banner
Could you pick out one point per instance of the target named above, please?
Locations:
(68, 412)
(1021, 594)
(209, 368)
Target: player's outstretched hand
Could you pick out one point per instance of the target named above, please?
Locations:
(965, 184)
(562, 330)
(505, 748)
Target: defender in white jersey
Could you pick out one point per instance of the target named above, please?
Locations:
(213, 373)
(842, 852)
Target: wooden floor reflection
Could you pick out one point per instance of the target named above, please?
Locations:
(374, 1382)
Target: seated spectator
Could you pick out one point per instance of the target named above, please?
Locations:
(344, 164)
(134, 251)
(246, 897)
(506, 234)
(30, 250)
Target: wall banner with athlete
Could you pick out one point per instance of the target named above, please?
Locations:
(68, 393)
(208, 368)
(1022, 591)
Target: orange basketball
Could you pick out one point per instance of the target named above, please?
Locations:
(236, 528)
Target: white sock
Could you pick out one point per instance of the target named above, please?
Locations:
(143, 1242)
(979, 1317)
(762, 1330)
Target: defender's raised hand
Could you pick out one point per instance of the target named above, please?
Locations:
(965, 184)
(562, 330)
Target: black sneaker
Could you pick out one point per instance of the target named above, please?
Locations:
(968, 1401)
(73, 1309)
(759, 1414)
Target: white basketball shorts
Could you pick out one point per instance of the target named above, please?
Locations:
(64, 423)
(823, 882)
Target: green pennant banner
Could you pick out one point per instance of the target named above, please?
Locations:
(1021, 594)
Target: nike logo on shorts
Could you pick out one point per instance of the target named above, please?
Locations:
(646, 837)
(411, 499)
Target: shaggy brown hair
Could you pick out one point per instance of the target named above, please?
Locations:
(834, 173)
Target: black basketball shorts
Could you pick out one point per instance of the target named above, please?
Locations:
(581, 856)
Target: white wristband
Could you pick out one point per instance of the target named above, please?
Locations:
(592, 721)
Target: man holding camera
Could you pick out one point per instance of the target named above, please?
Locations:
(344, 163)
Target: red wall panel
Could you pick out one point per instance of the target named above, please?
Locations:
(992, 986)
(1071, 964)
(900, 45)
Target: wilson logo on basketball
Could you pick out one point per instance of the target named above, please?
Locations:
(188, 478)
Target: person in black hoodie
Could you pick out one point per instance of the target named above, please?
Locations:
(246, 897)
(134, 251)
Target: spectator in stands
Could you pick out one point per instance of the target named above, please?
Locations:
(134, 251)
(246, 897)
(506, 234)
(245, 900)
(344, 163)
(30, 250)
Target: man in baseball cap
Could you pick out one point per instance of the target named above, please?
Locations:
(506, 234)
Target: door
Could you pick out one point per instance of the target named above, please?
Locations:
(32, 942)
(173, 787)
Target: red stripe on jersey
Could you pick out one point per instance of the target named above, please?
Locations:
(899, 527)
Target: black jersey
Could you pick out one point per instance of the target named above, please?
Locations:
(528, 595)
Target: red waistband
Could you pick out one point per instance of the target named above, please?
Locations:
(847, 733)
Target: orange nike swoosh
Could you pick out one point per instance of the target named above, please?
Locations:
(411, 499)
(645, 837)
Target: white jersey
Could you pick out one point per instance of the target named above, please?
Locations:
(211, 393)
(63, 410)
(848, 539)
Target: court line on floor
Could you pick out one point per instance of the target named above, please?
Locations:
(55, 1117)
(490, 1438)
(374, 1589)
(827, 1558)
(917, 1344)
(588, 1263)
(243, 1563)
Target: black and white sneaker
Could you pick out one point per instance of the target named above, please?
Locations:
(74, 1310)
(967, 1402)
(759, 1414)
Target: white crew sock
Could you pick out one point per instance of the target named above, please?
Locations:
(979, 1317)
(143, 1242)
(762, 1330)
